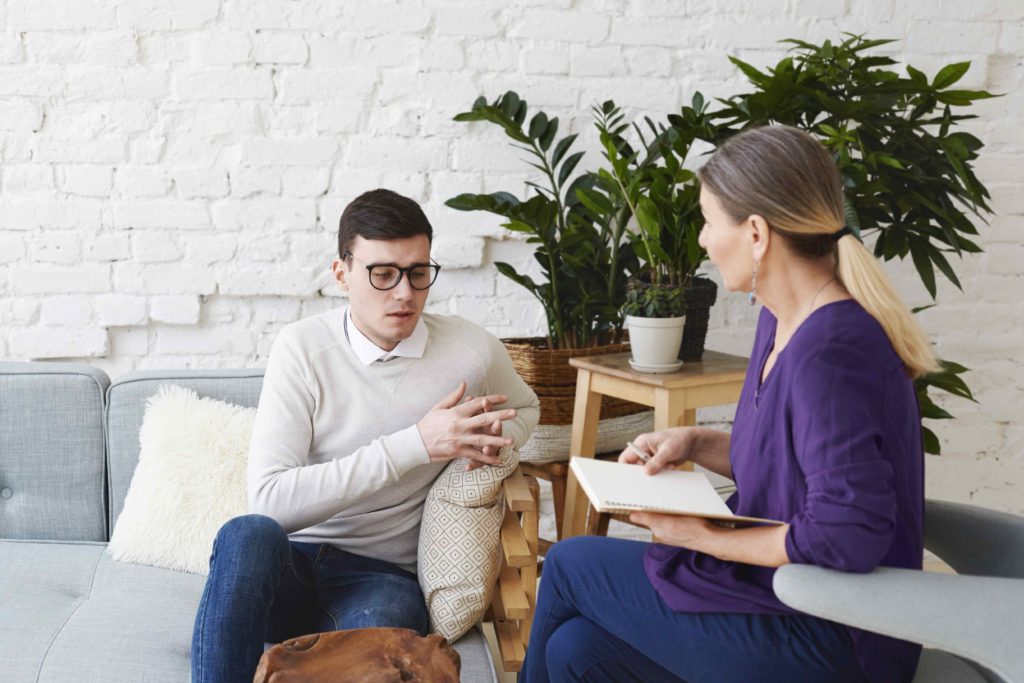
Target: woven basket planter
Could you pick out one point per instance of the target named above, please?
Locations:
(549, 374)
(551, 377)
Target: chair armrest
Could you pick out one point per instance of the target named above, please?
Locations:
(977, 618)
(515, 596)
(975, 540)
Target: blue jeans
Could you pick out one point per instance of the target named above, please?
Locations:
(599, 619)
(264, 588)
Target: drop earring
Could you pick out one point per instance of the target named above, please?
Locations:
(752, 296)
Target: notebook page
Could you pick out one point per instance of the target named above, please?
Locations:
(611, 485)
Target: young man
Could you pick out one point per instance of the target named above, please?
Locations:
(361, 409)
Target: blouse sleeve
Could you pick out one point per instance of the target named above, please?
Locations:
(849, 515)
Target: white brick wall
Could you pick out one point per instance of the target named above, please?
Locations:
(171, 173)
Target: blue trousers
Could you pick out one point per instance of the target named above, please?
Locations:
(599, 619)
(264, 588)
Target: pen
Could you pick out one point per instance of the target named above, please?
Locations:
(644, 456)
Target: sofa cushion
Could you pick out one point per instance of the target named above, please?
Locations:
(69, 612)
(126, 405)
(51, 451)
(189, 482)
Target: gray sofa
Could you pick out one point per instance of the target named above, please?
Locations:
(68, 612)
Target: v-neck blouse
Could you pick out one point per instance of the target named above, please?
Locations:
(831, 443)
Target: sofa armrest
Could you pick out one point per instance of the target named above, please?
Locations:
(977, 618)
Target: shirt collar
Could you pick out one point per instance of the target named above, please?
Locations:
(367, 352)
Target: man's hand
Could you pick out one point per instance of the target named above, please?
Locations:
(453, 430)
(667, 448)
(494, 429)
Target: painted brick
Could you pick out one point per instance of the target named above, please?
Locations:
(57, 247)
(564, 26)
(389, 18)
(175, 310)
(59, 342)
(161, 214)
(46, 279)
(12, 248)
(288, 151)
(66, 311)
(55, 15)
(11, 50)
(276, 281)
(89, 180)
(26, 179)
(253, 180)
(103, 83)
(215, 342)
(113, 247)
(258, 214)
(19, 114)
(154, 247)
(222, 48)
(272, 47)
(24, 214)
(193, 183)
(212, 249)
(176, 278)
(224, 84)
(181, 15)
(142, 181)
(109, 149)
(300, 181)
(317, 85)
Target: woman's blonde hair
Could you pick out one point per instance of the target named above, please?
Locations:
(787, 177)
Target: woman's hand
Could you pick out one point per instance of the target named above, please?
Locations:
(667, 448)
(677, 530)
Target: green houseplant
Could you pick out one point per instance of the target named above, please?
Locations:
(649, 185)
(583, 262)
(907, 170)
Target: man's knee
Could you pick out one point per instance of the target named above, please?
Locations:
(256, 536)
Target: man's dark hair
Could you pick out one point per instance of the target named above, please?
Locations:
(381, 215)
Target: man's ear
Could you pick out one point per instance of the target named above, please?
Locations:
(341, 273)
(760, 236)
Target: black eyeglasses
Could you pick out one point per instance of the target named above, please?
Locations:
(386, 276)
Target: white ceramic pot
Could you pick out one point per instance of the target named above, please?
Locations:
(655, 342)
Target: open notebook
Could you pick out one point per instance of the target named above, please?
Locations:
(621, 488)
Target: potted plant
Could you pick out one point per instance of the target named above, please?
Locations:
(584, 265)
(648, 187)
(908, 172)
(653, 175)
(655, 313)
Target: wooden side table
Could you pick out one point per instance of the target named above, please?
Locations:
(675, 397)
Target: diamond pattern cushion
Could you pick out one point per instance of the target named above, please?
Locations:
(459, 555)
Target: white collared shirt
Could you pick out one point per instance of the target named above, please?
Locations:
(367, 352)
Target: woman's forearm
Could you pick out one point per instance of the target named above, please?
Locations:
(761, 545)
(711, 451)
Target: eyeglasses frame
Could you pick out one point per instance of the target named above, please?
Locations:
(402, 272)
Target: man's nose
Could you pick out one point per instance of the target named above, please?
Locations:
(403, 290)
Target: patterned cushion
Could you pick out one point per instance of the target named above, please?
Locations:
(459, 550)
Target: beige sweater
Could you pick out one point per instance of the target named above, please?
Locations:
(336, 456)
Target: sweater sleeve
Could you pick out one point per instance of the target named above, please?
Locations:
(502, 378)
(849, 515)
(282, 483)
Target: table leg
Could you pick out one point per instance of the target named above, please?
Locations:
(585, 417)
(670, 411)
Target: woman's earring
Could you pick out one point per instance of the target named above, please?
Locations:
(752, 296)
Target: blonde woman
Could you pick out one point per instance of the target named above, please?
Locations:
(827, 437)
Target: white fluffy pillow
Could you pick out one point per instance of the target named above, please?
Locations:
(189, 481)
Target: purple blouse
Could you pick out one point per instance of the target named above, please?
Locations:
(831, 443)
